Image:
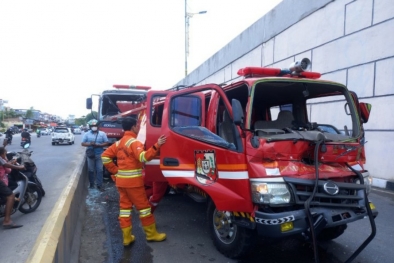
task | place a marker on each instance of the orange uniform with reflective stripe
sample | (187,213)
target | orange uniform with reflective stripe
(130,155)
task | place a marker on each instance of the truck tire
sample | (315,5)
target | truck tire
(331,233)
(231,240)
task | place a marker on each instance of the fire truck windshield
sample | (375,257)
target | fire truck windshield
(286,110)
(113,102)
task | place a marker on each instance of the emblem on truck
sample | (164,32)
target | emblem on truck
(206,170)
(331,188)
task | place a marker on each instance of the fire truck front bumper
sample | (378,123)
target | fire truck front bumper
(285,224)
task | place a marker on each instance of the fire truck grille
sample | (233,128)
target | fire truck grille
(329,193)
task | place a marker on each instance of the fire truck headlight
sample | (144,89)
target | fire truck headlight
(270,193)
(367,181)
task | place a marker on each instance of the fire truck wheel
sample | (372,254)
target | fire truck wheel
(331,233)
(231,240)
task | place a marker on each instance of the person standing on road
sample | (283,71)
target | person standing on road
(95,140)
(5,191)
(127,173)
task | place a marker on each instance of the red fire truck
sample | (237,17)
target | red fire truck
(277,154)
(113,102)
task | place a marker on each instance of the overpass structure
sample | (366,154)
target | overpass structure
(348,41)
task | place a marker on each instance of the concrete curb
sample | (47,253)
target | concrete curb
(383,184)
(55,240)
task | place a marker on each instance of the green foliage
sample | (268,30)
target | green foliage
(92,115)
(80,121)
(29,113)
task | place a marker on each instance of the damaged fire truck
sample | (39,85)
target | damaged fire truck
(115,101)
(276,154)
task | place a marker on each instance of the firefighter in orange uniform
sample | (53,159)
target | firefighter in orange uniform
(130,155)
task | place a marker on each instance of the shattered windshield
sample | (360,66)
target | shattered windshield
(115,102)
(302,110)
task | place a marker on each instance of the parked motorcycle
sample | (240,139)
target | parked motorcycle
(27,194)
(31,168)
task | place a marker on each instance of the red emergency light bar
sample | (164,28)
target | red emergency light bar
(131,87)
(297,69)
(267,72)
(273,72)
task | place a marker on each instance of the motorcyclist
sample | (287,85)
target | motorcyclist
(8,135)
(25,134)
(5,191)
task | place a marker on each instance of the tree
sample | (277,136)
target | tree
(29,113)
(80,121)
(90,116)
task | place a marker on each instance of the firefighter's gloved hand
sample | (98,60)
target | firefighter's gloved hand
(162,140)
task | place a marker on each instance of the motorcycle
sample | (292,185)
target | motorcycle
(8,137)
(27,194)
(25,141)
(31,168)
(38,134)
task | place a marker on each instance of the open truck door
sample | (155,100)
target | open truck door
(197,156)
(153,124)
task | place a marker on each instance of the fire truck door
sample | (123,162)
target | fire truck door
(194,155)
(153,130)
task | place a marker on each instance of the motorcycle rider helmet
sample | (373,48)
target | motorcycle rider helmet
(93,123)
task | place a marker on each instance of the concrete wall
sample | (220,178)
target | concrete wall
(59,238)
(351,42)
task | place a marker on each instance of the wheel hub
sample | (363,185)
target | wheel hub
(224,227)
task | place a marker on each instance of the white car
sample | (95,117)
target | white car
(77,131)
(44,132)
(62,135)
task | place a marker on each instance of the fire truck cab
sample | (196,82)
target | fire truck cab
(113,102)
(277,154)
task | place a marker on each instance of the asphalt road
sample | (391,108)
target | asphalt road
(183,220)
(185,223)
(55,165)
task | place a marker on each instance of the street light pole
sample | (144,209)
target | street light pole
(187,17)
(186,37)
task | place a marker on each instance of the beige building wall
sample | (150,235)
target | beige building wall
(351,42)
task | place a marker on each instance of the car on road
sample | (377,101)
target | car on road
(45,132)
(77,131)
(62,135)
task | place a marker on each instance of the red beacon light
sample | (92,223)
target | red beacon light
(131,87)
(300,69)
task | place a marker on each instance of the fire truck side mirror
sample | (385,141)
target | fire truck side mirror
(365,110)
(238,113)
(89,103)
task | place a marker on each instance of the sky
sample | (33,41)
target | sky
(54,54)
